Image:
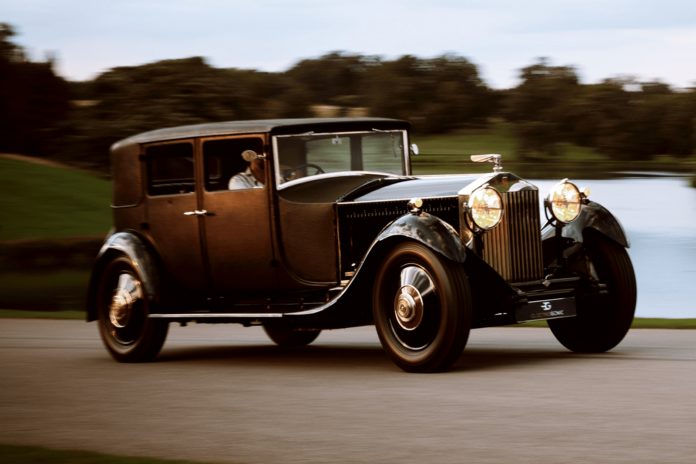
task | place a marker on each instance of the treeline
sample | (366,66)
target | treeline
(42,114)
(33,100)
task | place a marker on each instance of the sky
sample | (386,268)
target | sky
(645,39)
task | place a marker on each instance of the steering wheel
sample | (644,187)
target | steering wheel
(296,172)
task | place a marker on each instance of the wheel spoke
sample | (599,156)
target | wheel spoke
(415,313)
(126,296)
(416,277)
(409,303)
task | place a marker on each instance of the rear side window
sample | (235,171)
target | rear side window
(170,169)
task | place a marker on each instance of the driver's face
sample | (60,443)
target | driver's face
(257,169)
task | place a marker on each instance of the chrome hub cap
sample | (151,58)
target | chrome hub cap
(126,295)
(408,303)
(409,307)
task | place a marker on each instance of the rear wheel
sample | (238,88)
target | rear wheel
(422,308)
(289,336)
(122,312)
(602,320)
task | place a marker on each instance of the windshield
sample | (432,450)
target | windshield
(311,154)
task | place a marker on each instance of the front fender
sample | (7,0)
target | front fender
(351,308)
(135,248)
(429,230)
(597,217)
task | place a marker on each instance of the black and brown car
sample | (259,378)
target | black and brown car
(304,225)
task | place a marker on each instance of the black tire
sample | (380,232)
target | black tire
(421,306)
(122,310)
(290,337)
(602,321)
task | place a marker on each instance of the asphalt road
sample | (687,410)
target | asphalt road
(225,394)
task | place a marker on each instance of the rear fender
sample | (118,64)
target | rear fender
(130,245)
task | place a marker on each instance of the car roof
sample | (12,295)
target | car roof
(274,126)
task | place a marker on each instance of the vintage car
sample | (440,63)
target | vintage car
(303,225)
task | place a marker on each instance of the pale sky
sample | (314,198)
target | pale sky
(647,39)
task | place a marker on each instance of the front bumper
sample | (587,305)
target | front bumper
(551,298)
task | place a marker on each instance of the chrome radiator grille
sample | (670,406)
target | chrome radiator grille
(513,248)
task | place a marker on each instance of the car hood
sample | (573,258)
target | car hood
(423,187)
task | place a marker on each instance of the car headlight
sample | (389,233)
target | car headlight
(564,201)
(485,207)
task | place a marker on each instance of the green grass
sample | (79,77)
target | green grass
(59,290)
(654,323)
(449,153)
(33,314)
(640,323)
(496,138)
(39,455)
(38,201)
(452,151)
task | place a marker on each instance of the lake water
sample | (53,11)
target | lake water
(658,213)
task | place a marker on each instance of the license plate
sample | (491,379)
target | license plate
(546,309)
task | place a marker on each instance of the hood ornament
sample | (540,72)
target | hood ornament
(494,158)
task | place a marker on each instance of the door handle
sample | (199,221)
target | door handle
(198,212)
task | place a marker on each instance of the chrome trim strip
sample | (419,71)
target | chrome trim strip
(216,316)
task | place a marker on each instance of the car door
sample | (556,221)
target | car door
(172,212)
(237,227)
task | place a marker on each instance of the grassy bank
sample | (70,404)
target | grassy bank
(62,290)
(39,455)
(641,323)
(449,153)
(45,201)
(44,207)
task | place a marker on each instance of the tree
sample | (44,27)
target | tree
(437,95)
(542,106)
(32,99)
(630,120)
(678,124)
(129,100)
(332,79)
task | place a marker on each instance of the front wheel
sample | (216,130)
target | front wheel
(603,318)
(421,306)
(122,313)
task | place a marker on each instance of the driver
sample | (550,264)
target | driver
(253,176)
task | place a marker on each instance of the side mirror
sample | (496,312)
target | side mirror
(414,149)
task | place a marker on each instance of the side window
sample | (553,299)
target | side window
(169,168)
(223,160)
